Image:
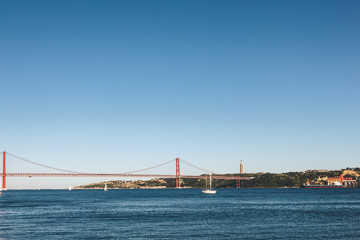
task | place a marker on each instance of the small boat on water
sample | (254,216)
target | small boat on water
(208,190)
(105,188)
(69,188)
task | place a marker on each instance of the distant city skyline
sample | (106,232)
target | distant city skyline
(119,85)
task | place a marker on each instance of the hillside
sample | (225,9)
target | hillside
(260,180)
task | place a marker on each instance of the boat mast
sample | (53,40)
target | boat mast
(210,180)
(206,182)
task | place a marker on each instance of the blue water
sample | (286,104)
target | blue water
(181,214)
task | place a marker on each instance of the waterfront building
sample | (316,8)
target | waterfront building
(350,182)
(346,182)
(332,180)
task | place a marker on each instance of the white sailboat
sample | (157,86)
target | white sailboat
(69,188)
(105,188)
(209,190)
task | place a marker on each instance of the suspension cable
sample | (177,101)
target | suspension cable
(39,164)
(140,170)
(194,166)
(159,165)
(69,171)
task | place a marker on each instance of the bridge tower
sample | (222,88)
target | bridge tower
(4,171)
(178,183)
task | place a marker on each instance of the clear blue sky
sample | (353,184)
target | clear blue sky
(121,85)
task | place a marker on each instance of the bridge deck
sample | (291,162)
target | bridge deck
(227,177)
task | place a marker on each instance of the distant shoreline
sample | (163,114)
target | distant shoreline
(101,189)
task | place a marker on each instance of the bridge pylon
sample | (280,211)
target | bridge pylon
(178,179)
(4,171)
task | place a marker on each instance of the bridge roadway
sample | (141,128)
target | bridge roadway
(226,177)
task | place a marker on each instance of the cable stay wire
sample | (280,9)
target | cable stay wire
(194,166)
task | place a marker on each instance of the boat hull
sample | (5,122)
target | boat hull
(207,191)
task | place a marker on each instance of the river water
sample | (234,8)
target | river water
(181,214)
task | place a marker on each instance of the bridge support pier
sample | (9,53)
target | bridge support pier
(178,179)
(238,183)
(4,172)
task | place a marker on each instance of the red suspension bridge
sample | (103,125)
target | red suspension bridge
(136,174)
